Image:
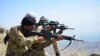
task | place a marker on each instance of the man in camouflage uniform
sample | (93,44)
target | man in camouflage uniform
(18,43)
(37,49)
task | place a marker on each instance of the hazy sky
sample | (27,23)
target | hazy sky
(83,15)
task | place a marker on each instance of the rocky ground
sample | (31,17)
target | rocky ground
(2,46)
(78,49)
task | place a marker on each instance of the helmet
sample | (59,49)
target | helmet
(29,19)
(43,21)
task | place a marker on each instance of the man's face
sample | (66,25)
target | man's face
(30,27)
(51,27)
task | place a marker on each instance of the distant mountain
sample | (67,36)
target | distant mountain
(79,49)
(88,47)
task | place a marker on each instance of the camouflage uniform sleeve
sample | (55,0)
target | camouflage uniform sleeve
(18,38)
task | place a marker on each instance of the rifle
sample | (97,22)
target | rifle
(46,34)
(71,38)
(61,27)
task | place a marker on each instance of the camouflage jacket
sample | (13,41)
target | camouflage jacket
(18,44)
(37,49)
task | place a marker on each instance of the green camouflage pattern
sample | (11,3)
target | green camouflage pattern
(18,44)
(37,49)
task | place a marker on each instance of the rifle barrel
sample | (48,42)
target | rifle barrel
(71,38)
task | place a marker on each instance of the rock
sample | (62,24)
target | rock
(94,55)
(2,45)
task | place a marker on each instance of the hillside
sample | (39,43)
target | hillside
(79,49)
